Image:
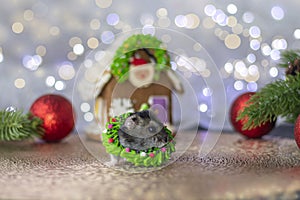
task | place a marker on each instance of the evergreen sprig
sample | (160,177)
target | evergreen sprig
(280,98)
(288,57)
(15,125)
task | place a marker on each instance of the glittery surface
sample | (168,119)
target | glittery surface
(235,168)
(297,131)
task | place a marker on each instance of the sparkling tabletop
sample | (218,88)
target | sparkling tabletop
(235,168)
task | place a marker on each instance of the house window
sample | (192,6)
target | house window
(120,106)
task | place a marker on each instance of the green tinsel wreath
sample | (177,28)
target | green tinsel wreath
(151,157)
(120,66)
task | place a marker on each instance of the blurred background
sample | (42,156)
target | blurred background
(43,43)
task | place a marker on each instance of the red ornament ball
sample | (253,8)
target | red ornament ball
(111,140)
(238,106)
(297,131)
(57,115)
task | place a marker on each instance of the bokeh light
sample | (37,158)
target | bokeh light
(248,17)
(78,49)
(85,107)
(147,19)
(193,21)
(246,41)
(252,86)
(266,49)
(32,62)
(75,40)
(232,41)
(112,19)
(238,85)
(210,10)
(20,83)
(148,29)
(180,21)
(277,13)
(28,15)
(231,21)
(279,44)
(50,81)
(254,31)
(103,3)
(60,85)
(17,27)
(232,9)
(228,68)
(66,71)
(107,37)
(88,117)
(273,72)
(93,43)
(275,54)
(95,24)
(297,33)
(41,50)
(251,58)
(237,29)
(162,12)
(1,57)
(255,44)
(54,31)
(203,107)
(207,92)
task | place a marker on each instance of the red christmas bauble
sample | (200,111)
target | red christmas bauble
(297,131)
(238,105)
(57,115)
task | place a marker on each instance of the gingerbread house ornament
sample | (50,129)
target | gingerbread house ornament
(139,74)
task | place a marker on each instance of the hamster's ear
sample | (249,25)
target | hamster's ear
(154,117)
(144,114)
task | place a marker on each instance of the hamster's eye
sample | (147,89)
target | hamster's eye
(129,124)
(152,129)
(134,119)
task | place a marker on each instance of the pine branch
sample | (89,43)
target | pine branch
(18,126)
(280,98)
(288,57)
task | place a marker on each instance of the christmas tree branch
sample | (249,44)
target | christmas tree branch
(280,98)
(288,57)
(17,126)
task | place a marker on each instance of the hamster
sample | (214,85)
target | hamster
(142,130)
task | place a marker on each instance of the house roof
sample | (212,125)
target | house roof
(107,76)
(150,49)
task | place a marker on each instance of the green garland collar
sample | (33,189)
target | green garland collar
(150,157)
